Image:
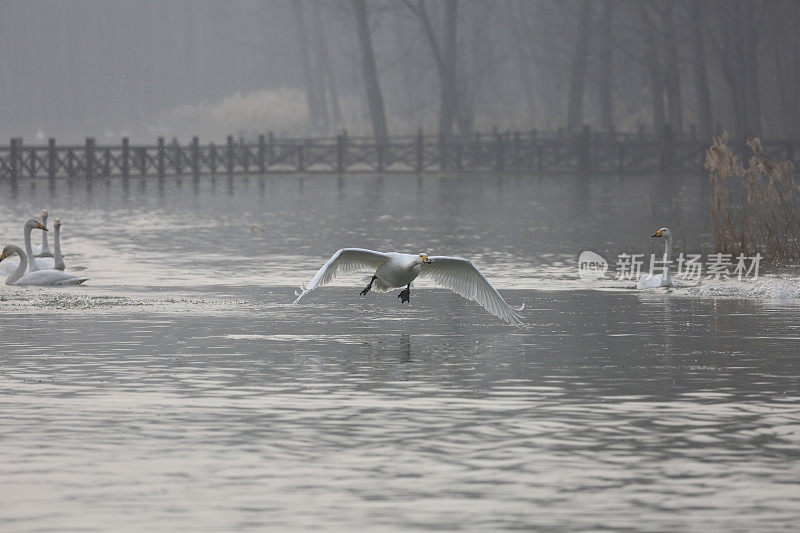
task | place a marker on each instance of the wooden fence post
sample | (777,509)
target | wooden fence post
(70,163)
(244,155)
(51,158)
(13,161)
(126,165)
(229,156)
(107,163)
(499,153)
(89,158)
(442,153)
(195,155)
(178,152)
(270,149)
(381,153)
(212,158)
(142,156)
(301,160)
(420,166)
(262,150)
(340,148)
(161,158)
(584,149)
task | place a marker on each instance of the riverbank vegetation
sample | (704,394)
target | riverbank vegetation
(755,204)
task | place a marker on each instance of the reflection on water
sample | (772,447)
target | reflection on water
(180,388)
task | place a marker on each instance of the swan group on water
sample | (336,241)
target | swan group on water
(37,266)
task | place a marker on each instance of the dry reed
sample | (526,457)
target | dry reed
(755,208)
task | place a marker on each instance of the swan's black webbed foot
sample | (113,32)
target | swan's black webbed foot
(368,287)
(405,296)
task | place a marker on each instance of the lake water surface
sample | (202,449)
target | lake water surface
(179,389)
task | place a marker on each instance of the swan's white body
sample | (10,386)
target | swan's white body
(654,281)
(40,277)
(44,249)
(395,270)
(39,263)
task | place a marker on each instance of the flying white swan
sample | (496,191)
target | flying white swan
(395,270)
(39,262)
(57,257)
(652,281)
(44,249)
(40,277)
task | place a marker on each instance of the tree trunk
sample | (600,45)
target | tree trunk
(749,57)
(447,86)
(523,62)
(326,77)
(702,93)
(606,66)
(672,79)
(654,72)
(577,74)
(370,73)
(311,93)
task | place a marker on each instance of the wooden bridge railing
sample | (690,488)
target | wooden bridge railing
(529,152)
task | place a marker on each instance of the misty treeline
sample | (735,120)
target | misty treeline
(108,68)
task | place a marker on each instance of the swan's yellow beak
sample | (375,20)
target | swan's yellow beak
(659,233)
(39,225)
(3,255)
(425,259)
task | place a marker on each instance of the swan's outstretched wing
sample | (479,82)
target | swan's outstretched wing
(462,277)
(345,261)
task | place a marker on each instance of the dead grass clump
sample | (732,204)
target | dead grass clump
(755,208)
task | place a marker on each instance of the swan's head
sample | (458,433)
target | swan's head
(57,223)
(424,257)
(44,215)
(34,224)
(663,232)
(6,253)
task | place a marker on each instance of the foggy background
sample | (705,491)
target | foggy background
(108,68)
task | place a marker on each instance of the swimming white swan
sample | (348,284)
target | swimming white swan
(39,262)
(57,257)
(44,250)
(652,281)
(40,277)
(395,270)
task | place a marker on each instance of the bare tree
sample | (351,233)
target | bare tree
(444,54)
(672,78)
(655,75)
(606,65)
(577,71)
(702,92)
(370,72)
(312,94)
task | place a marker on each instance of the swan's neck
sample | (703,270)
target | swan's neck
(57,249)
(29,248)
(23,265)
(45,246)
(667,251)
